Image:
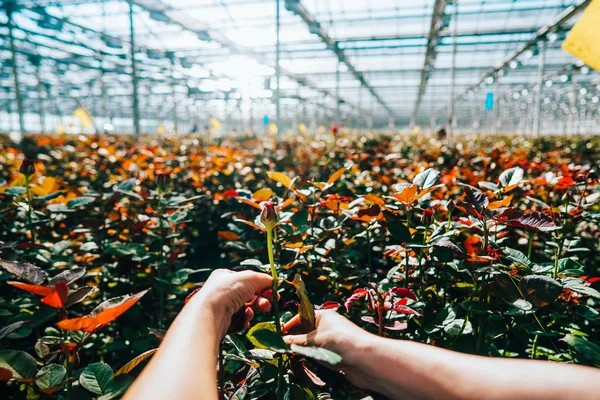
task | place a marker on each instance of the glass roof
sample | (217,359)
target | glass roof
(218,57)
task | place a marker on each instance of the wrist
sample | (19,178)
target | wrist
(210,312)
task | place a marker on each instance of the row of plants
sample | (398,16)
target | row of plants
(488,247)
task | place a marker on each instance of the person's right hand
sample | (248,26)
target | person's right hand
(336,333)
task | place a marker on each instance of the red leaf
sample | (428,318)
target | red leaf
(402,309)
(358,293)
(403,292)
(329,305)
(535,221)
(59,296)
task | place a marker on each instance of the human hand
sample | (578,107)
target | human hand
(336,333)
(236,295)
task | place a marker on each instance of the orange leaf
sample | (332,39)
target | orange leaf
(36,289)
(407,195)
(473,244)
(102,315)
(228,235)
(372,199)
(110,314)
(85,324)
(501,203)
(249,202)
(335,176)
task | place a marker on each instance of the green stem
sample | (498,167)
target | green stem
(486,239)
(369,255)
(29,208)
(275,310)
(68,367)
(530,246)
(534,349)
(161,291)
(557,257)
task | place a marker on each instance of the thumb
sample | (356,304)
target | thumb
(300,340)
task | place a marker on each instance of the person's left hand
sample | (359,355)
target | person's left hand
(238,294)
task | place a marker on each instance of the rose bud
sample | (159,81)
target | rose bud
(163,179)
(427,217)
(27,167)
(269,215)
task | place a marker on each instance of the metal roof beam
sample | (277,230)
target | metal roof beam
(315,28)
(180,18)
(438,23)
(541,34)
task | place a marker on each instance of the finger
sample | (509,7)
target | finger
(262,305)
(248,314)
(258,280)
(268,294)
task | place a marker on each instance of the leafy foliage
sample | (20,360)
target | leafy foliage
(417,240)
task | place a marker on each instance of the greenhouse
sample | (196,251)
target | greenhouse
(381,64)
(299,199)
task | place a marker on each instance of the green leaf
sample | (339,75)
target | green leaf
(15,191)
(118,387)
(517,257)
(123,250)
(49,196)
(80,201)
(540,290)
(458,327)
(427,178)
(21,364)
(299,219)
(268,340)
(317,353)
(586,348)
(397,229)
(511,176)
(577,285)
(97,378)
(50,376)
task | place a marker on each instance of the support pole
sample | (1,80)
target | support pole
(174,94)
(496,109)
(277,66)
(535,131)
(13,51)
(134,80)
(572,118)
(338,118)
(40,90)
(450,124)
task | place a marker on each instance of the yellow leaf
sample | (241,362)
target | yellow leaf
(293,245)
(263,194)
(583,41)
(336,175)
(306,311)
(281,178)
(125,369)
(261,325)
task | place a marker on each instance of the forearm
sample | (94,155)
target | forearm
(185,365)
(408,370)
